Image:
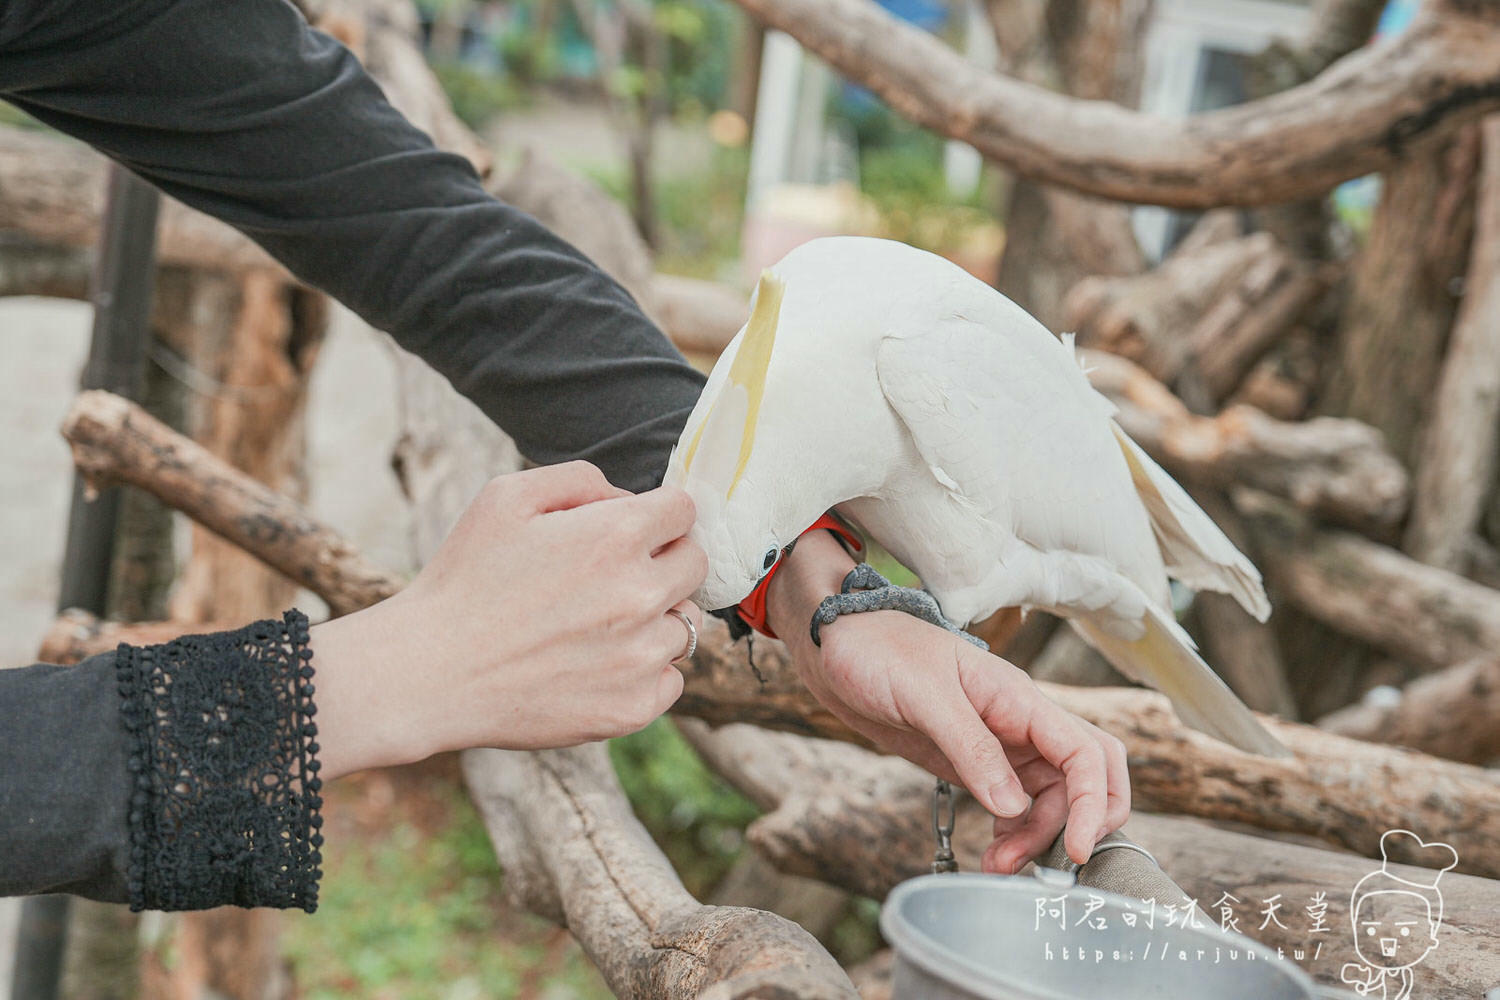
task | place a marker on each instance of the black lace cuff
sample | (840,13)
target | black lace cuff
(225,802)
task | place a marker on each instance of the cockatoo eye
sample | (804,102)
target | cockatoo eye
(772,554)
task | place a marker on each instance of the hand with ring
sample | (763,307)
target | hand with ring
(550,616)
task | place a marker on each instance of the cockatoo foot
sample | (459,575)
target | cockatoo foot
(866,590)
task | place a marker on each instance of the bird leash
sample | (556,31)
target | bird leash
(944,813)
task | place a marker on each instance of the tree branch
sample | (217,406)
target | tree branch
(115,441)
(1360,116)
(54,193)
(573,851)
(1419,614)
(1454,713)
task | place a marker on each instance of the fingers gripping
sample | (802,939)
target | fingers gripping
(978,756)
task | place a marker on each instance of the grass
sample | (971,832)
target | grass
(415,910)
(695,816)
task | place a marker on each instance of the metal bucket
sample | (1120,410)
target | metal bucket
(992,937)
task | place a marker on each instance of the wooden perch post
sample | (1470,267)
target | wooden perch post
(1358,117)
(863,822)
(573,851)
(1456,466)
(1454,713)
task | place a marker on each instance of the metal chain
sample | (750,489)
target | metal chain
(942,804)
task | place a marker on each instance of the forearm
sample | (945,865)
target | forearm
(64,786)
(177,776)
(242,111)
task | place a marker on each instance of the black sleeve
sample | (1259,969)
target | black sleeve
(241,110)
(173,777)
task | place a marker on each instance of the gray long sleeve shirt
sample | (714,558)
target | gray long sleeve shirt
(239,109)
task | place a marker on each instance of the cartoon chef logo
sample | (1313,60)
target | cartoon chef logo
(1396,912)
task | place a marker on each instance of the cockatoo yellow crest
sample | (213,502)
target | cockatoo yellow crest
(747,372)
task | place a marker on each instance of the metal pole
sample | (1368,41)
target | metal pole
(121,293)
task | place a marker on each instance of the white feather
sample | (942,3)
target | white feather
(1195,550)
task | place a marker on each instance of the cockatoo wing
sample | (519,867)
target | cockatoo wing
(1165,657)
(1009,425)
(1004,417)
(1195,550)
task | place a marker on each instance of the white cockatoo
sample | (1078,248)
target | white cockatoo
(965,438)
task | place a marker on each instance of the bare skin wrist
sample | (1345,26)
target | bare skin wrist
(815,568)
(357,663)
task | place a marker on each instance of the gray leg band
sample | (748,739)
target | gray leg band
(866,590)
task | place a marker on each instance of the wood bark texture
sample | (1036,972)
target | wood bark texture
(115,441)
(54,193)
(1419,614)
(1456,465)
(574,852)
(246,351)
(31,267)
(76,635)
(1454,713)
(1205,317)
(1403,296)
(1054,237)
(1243,651)
(1363,114)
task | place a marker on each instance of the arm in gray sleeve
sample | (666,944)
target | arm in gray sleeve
(244,112)
(180,776)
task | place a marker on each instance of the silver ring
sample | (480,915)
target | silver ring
(692,645)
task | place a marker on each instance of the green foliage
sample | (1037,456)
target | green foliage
(902,174)
(700,38)
(476,96)
(696,817)
(698,214)
(420,915)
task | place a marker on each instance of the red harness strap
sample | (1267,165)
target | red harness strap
(753,608)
